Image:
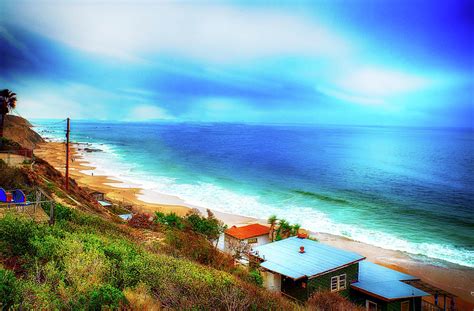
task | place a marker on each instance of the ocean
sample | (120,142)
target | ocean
(407,189)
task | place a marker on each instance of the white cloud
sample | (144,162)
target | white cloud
(148,112)
(351,98)
(217,33)
(378,82)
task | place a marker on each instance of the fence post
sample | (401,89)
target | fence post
(51,214)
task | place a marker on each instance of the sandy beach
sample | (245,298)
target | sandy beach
(455,279)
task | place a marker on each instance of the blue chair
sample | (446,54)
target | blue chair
(18,197)
(3,196)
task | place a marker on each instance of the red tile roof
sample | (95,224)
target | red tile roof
(249,231)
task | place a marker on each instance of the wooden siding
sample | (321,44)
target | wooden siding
(323,282)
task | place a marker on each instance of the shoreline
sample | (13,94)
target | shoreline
(453,278)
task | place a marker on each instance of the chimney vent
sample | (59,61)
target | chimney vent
(301,249)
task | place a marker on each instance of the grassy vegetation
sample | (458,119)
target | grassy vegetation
(86,262)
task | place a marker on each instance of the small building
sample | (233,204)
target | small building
(126,217)
(250,235)
(381,288)
(298,267)
(98,196)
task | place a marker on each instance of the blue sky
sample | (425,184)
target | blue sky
(407,63)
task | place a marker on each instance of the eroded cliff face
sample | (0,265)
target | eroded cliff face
(19,130)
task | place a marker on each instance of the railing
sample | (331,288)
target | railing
(38,200)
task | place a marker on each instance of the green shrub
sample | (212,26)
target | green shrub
(107,297)
(63,213)
(15,235)
(39,296)
(255,277)
(8,289)
(209,226)
(84,262)
(171,220)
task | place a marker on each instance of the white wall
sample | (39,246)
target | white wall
(271,281)
(261,240)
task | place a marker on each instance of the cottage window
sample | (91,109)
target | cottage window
(334,284)
(338,283)
(405,306)
(370,305)
(342,281)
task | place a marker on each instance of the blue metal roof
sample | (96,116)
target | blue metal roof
(283,257)
(385,282)
(104,203)
(126,216)
(369,271)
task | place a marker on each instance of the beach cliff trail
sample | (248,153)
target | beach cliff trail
(364,189)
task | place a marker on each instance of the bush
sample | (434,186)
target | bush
(256,278)
(8,289)
(328,301)
(62,213)
(170,220)
(139,298)
(77,264)
(16,235)
(195,247)
(107,297)
(14,178)
(140,220)
(209,226)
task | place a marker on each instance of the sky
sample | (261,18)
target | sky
(362,62)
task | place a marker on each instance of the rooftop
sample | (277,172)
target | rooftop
(104,203)
(284,257)
(249,231)
(385,283)
(125,216)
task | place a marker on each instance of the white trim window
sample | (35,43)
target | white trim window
(370,305)
(338,282)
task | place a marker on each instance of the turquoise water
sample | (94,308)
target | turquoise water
(408,189)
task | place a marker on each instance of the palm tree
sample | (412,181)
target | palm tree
(294,229)
(284,229)
(7,103)
(272,220)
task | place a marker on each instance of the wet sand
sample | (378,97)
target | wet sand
(455,279)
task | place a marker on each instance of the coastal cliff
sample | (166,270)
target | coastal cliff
(20,130)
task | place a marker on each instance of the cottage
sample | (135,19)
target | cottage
(126,217)
(238,238)
(100,198)
(298,267)
(381,288)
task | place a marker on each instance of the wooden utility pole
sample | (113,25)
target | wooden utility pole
(67,155)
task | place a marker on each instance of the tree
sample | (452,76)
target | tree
(238,249)
(7,103)
(209,226)
(272,220)
(284,229)
(295,229)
